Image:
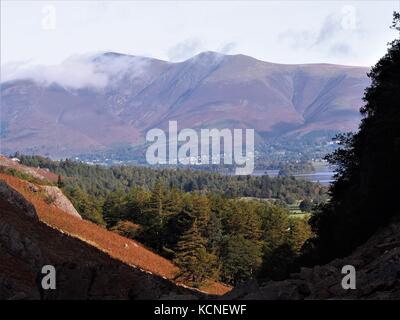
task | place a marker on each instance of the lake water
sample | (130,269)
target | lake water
(324,176)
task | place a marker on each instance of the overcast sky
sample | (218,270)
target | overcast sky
(344,32)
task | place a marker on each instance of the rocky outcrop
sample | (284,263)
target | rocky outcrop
(12,196)
(40,174)
(82,271)
(377,266)
(53,194)
(57,198)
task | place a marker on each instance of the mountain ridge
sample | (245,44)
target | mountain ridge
(216,53)
(128,95)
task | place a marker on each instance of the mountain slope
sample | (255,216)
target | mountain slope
(208,90)
(91,262)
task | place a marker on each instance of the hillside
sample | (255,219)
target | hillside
(87,257)
(36,173)
(377,265)
(49,116)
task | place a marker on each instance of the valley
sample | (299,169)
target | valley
(176,212)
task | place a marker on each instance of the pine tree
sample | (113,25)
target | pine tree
(173,203)
(275,228)
(153,218)
(114,207)
(215,229)
(60,183)
(173,223)
(305,205)
(88,206)
(299,233)
(242,218)
(214,233)
(137,201)
(201,212)
(241,259)
(195,262)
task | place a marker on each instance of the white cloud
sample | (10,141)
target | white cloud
(333,37)
(228,48)
(184,50)
(76,72)
(176,30)
(331,28)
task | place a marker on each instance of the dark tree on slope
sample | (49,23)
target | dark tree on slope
(114,207)
(88,206)
(365,193)
(241,258)
(60,183)
(195,262)
(306,205)
(153,217)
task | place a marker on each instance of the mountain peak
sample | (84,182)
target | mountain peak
(206,56)
(129,94)
(110,56)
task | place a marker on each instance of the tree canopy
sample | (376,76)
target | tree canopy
(364,195)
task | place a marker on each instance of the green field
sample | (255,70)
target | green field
(300,216)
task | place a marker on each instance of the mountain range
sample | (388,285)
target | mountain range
(112,99)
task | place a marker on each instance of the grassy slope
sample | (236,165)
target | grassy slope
(116,246)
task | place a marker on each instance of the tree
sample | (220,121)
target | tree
(88,206)
(299,233)
(60,183)
(242,218)
(153,218)
(214,233)
(240,245)
(364,194)
(127,229)
(241,259)
(174,221)
(276,252)
(114,207)
(278,263)
(305,205)
(275,226)
(173,203)
(201,212)
(192,258)
(136,203)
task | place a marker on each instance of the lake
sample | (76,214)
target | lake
(323,176)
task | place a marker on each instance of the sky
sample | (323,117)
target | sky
(340,32)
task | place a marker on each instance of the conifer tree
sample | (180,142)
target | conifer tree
(201,212)
(195,262)
(153,217)
(241,259)
(114,207)
(60,183)
(137,201)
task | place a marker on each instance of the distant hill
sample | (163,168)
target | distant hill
(124,96)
